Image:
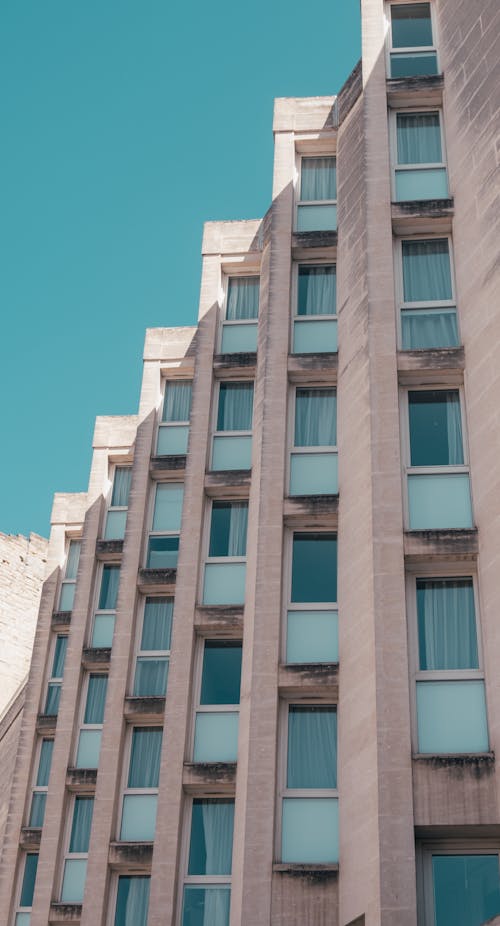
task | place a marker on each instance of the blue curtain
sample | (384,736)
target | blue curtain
(426,271)
(157,624)
(109,588)
(82,822)
(446,624)
(419,138)
(42,778)
(29,878)
(132,901)
(59,657)
(211,845)
(228,529)
(121,486)
(73,559)
(235,407)
(242,298)
(315,418)
(144,768)
(312,747)
(96,699)
(317,290)
(421,329)
(177,404)
(318,179)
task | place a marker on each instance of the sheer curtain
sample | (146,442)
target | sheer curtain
(59,657)
(218,820)
(157,624)
(96,699)
(109,588)
(177,404)
(426,271)
(419,138)
(144,769)
(446,624)
(312,747)
(132,901)
(318,179)
(42,778)
(237,539)
(73,558)
(235,407)
(150,677)
(315,418)
(121,486)
(422,329)
(242,298)
(317,291)
(82,821)
(454,429)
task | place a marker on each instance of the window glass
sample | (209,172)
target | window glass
(426,271)
(446,624)
(318,179)
(466,889)
(435,428)
(73,559)
(419,138)
(411,25)
(228,530)
(317,293)
(109,588)
(59,656)
(177,403)
(206,905)
(121,486)
(314,567)
(96,699)
(144,768)
(157,624)
(168,507)
(42,778)
(162,552)
(29,878)
(132,901)
(315,417)
(235,407)
(82,822)
(312,747)
(211,844)
(220,681)
(242,298)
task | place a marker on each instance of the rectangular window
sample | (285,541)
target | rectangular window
(141,793)
(67,594)
(217,712)
(89,741)
(428,311)
(116,516)
(450,693)
(225,569)
(39,794)
(173,432)
(461,884)
(312,616)
(151,667)
(104,618)
(232,442)
(317,207)
(313,459)
(163,544)
(420,164)
(23,914)
(132,900)
(438,478)
(310,804)
(207,885)
(75,864)
(239,329)
(413,50)
(315,319)
(56,675)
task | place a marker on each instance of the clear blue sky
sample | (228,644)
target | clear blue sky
(125,125)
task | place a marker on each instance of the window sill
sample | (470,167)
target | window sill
(313,239)
(416,367)
(425,545)
(30,837)
(61,619)
(127,856)
(96,656)
(65,912)
(169,463)
(157,579)
(228,483)
(243,363)
(222,620)
(46,723)
(109,550)
(315,510)
(303,369)
(210,778)
(422,215)
(424,90)
(315,872)
(81,779)
(317,678)
(460,759)
(139,707)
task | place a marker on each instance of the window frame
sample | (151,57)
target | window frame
(54,681)
(150,517)
(97,594)
(240,273)
(172,380)
(125,790)
(64,581)
(301,156)
(110,919)
(201,880)
(39,789)
(425,849)
(299,606)
(432,305)
(199,708)
(208,530)
(82,708)
(214,432)
(66,855)
(114,466)
(410,49)
(295,317)
(138,652)
(18,909)
(308,449)
(423,166)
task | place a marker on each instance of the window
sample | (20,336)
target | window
(217,712)
(413,50)
(232,443)
(163,544)
(75,863)
(39,794)
(225,569)
(117,512)
(317,207)
(173,431)
(104,618)
(151,667)
(67,595)
(132,901)
(313,460)
(428,312)
(460,883)
(207,886)
(89,741)
(309,830)
(141,793)
(25,903)
(450,694)
(438,478)
(56,676)
(312,617)
(315,319)
(239,329)
(420,164)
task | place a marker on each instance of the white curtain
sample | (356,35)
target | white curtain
(157,624)
(421,329)
(96,699)
(82,821)
(235,407)
(121,486)
(454,429)
(312,747)
(318,179)
(446,624)
(109,588)
(218,819)
(177,404)
(132,902)
(419,138)
(317,291)
(73,558)
(238,522)
(150,677)
(42,778)
(242,298)
(315,418)
(144,769)
(426,271)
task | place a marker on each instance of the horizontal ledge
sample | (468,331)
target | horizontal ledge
(96,656)
(431,366)
(61,618)
(228,483)
(222,620)
(167,464)
(240,366)
(143,708)
(304,511)
(65,912)
(311,679)
(131,857)
(313,368)
(424,90)
(453,543)
(157,579)
(46,723)
(30,837)
(446,759)
(207,778)
(314,239)
(81,779)
(317,872)
(109,550)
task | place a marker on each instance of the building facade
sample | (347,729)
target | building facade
(299,527)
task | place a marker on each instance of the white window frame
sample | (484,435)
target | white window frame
(240,274)
(200,708)
(429,304)
(66,832)
(208,528)
(144,654)
(54,680)
(82,708)
(292,406)
(206,881)
(215,412)
(425,849)
(18,909)
(110,507)
(151,512)
(410,49)
(287,579)
(393,143)
(97,594)
(166,381)
(303,156)
(38,789)
(436,571)
(125,790)
(64,580)
(295,294)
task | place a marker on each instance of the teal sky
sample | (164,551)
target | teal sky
(125,125)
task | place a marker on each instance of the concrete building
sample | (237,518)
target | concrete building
(205,550)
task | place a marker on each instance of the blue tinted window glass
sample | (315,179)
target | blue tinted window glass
(314,567)
(220,681)
(466,889)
